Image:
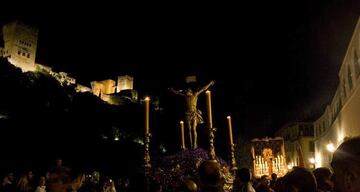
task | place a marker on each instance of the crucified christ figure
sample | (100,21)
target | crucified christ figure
(192,114)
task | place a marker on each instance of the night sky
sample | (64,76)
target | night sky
(273,62)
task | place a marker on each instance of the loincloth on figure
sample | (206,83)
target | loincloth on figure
(194,116)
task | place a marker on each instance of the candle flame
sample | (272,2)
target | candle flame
(207,92)
(147,98)
(181,122)
(228,117)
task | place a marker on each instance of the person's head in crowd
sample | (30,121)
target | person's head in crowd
(279,185)
(42,181)
(346,166)
(210,177)
(323,178)
(299,180)
(265,180)
(273,177)
(243,175)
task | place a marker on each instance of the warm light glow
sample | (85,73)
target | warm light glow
(116,138)
(147,98)
(228,117)
(266,162)
(312,160)
(340,137)
(330,147)
(290,166)
(318,159)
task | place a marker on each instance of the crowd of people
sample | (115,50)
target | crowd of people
(343,176)
(60,179)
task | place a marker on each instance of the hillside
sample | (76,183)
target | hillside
(41,120)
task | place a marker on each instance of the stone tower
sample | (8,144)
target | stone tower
(20,42)
(124,82)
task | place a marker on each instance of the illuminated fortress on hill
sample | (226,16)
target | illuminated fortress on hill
(19,47)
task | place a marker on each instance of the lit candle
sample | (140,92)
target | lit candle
(230,130)
(273,166)
(255,161)
(266,168)
(279,160)
(282,149)
(182,135)
(208,103)
(147,108)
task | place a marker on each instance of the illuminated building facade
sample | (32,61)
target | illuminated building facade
(20,43)
(341,117)
(104,87)
(268,156)
(299,144)
(114,93)
(124,82)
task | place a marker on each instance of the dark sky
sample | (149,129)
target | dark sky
(273,61)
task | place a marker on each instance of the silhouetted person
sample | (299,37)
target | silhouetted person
(192,114)
(8,183)
(323,179)
(210,177)
(59,177)
(299,180)
(108,185)
(273,180)
(346,166)
(242,181)
(279,185)
(25,182)
(41,185)
(264,184)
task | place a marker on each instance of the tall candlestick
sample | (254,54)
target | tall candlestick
(147,109)
(230,130)
(211,128)
(147,164)
(232,146)
(209,112)
(182,135)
